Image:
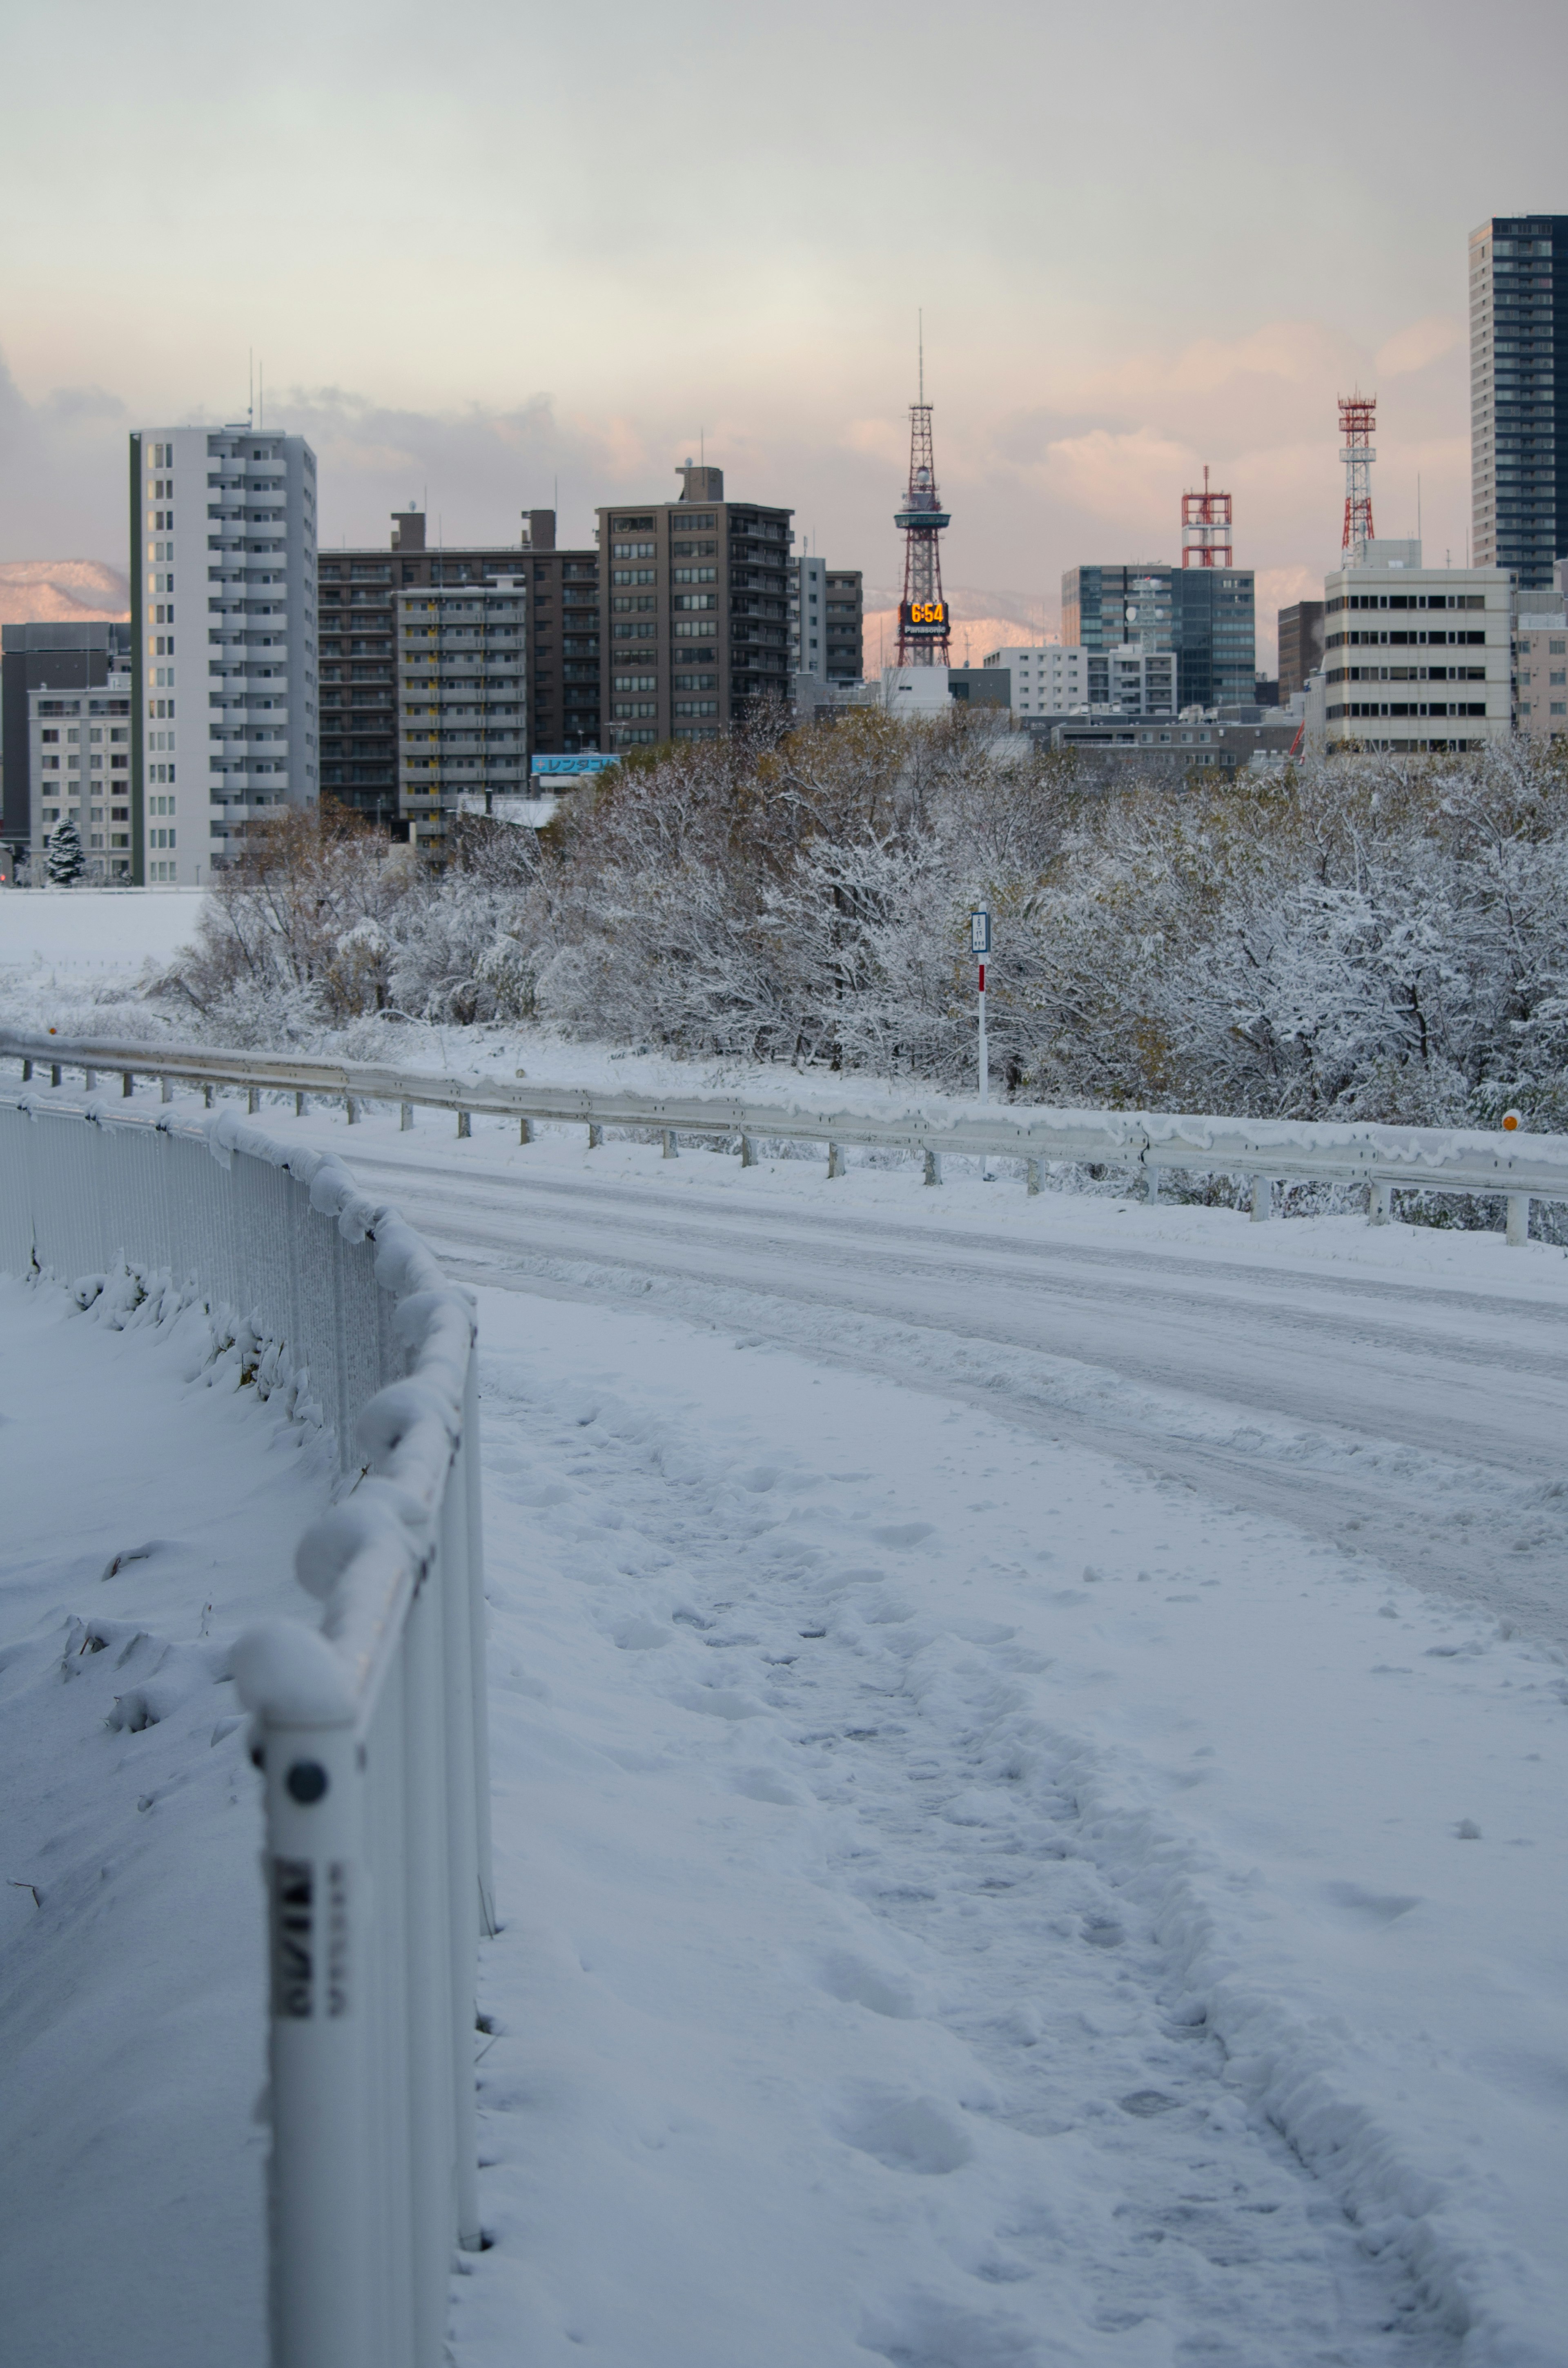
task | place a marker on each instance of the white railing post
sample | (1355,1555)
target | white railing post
(1519,1220)
(1379,1203)
(321,1935)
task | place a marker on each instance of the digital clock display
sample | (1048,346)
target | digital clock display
(924,616)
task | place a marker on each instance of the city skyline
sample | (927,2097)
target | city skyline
(1111,302)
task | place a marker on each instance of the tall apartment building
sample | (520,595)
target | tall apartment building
(808,601)
(1207,616)
(565,643)
(1518,395)
(695,612)
(1300,646)
(223,638)
(65,702)
(358,616)
(462,712)
(1067,679)
(1415,658)
(844,642)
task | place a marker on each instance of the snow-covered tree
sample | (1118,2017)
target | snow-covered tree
(65,862)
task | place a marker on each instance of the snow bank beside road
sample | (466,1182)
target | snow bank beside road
(149,1516)
(94,929)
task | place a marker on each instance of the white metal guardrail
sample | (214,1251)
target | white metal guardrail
(371,1727)
(1519,1167)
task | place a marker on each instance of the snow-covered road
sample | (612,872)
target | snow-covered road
(1419,1416)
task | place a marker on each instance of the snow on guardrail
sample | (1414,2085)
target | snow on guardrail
(1445,1159)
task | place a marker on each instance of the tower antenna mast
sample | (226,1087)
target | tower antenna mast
(1357,420)
(924,627)
(1206,528)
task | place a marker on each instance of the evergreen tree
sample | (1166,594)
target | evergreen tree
(66,861)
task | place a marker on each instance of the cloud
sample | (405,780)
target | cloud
(1426,341)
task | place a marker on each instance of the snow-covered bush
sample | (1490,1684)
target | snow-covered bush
(1376,938)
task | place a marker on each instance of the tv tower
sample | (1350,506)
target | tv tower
(1357,418)
(923,622)
(1206,528)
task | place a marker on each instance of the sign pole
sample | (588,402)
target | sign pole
(980,945)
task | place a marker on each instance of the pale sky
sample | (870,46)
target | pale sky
(480,247)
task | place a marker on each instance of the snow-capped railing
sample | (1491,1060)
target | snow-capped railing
(1519,1167)
(371,1727)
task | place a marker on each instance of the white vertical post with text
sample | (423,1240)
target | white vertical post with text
(980,946)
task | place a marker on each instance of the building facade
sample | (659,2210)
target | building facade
(223,643)
(845,617)
(694,613)
(462,706)
(1301,645)
(46,662)
(358,618)
(1518,395)
(1540,670)
(808,606)
(1205,615)
(79,760)
(1416,659)
(1064,679)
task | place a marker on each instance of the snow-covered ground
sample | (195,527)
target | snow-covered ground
(56,938)
(1028,1741)
(149,1512)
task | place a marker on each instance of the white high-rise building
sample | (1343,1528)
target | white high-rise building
(224,624)
(1416,659)
(808,616)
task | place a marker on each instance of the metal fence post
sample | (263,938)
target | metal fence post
(404,1117)
(671,1150)
(748,1151)
(525,1130)
(1519,1231)
(834,1161)
(1033,1177)
(1262,1199)
(933,1166)
(1379,1203)
(319,1913)
(464,1126)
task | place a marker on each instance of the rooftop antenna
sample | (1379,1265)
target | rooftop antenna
(1358,422)
(920,333)
(702,447)
(260,396)
(250,386)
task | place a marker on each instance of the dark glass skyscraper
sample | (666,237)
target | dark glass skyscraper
(1205,614)
(1519,393)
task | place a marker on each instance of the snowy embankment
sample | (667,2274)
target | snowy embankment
(967,1900)
(150,1508)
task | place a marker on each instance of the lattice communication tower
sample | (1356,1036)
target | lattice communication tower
(924,625)
(1206,528)
(1358,419)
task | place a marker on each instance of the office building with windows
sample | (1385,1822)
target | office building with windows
(1540,667)
(223,641)
(694,624)
(1066,678)
(808,604)
(1416,659)
(358,618)
(844,645)
(1518,395)
(1300,646)
(1205,615)
(65,701)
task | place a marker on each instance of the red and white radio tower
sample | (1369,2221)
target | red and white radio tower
(1206,528)
(924,629)
(1357,418)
